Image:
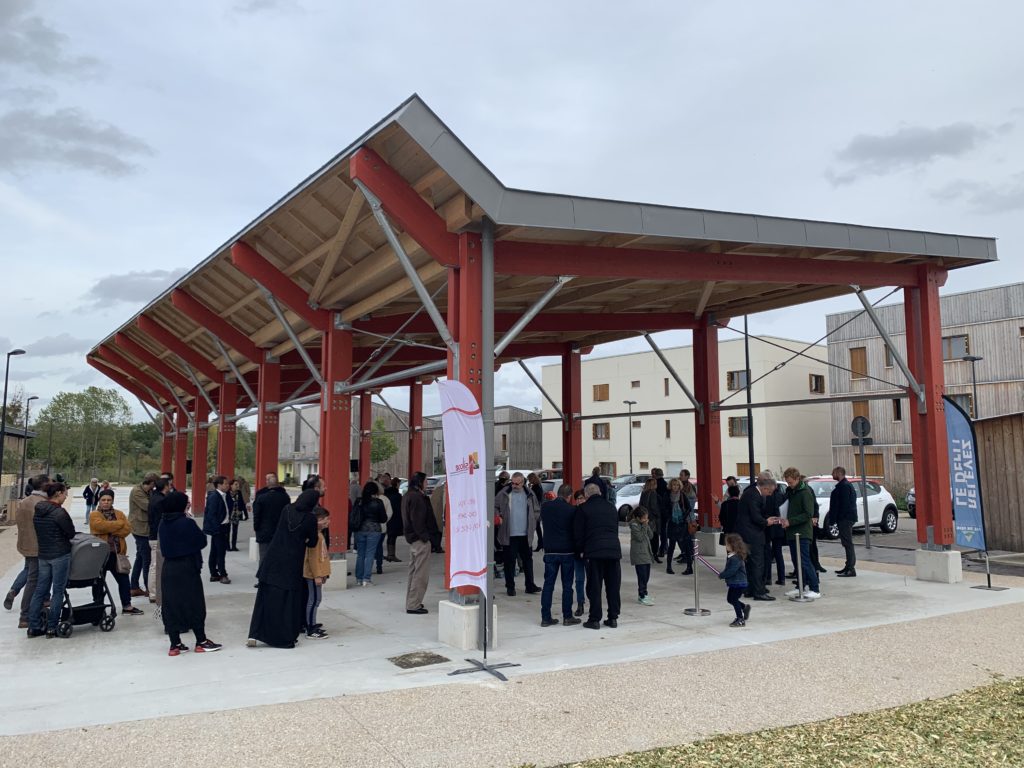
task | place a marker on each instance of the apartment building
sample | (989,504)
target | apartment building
(796,435)
(983,350)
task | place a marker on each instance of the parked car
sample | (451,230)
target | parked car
(628,499)
(622,480)
(549,474)
(912,503)
(432,482)
(882,511)
(550,488)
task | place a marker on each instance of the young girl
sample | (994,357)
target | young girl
(640,553)
(316,570)
(735,576)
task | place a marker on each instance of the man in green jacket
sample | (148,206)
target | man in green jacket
(798,521)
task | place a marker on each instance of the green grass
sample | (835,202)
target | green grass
(979,728)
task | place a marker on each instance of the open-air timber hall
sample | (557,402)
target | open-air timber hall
(404,259)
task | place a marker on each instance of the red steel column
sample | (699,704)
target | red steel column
(335,425)
(267,420)
(416,428)
(708,434)
(572,407)
(928,430)
(469,314)
(226,436)
(181,450)
(167,451)
(365,436)
(200,444)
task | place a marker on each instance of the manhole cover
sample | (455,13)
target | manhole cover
(418,659)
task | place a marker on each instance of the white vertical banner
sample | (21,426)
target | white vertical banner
(463,428)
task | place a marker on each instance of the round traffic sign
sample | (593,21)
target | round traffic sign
(860,426)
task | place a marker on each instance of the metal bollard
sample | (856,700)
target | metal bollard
(800,576)
(696,610)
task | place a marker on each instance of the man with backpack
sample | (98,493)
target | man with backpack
(415,511)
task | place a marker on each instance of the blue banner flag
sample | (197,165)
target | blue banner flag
(968,518)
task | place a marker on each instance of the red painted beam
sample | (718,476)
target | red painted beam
(517,258)
(402,203)
(116,359)
(202,315)
(141,353)
(123,381)
(165,338)
(246,258)
(550,322)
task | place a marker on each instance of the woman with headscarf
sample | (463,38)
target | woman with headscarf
(181,592)
(278,615)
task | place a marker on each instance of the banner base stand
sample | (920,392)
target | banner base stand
(696,611)
(483,666)
(990,589)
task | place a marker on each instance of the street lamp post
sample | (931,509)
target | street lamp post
(3,412)
(630,404)
(49,449)
(973,359)
(24,444)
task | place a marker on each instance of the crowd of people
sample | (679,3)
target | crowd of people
(577,531)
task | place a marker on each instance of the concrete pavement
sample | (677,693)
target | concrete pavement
(659,679)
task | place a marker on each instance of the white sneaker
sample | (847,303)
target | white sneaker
(812,594)
(793,593)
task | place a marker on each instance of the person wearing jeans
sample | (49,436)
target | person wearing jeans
(798,521)
(138,517)
(371,516)
(28,548)
(557,518)
(54,531)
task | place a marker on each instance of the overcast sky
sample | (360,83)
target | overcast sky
(135,138)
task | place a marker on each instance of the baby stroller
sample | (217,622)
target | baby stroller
(88,560)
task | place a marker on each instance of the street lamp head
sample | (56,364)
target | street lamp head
(972,358)
(16,352)
(629,402)
(30,399)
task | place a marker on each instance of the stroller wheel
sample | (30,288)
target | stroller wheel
(64,629)
(107,623)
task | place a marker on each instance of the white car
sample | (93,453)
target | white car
(628,498)
(882,511)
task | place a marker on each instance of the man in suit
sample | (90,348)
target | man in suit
(216,524)
(596,536)
(750,523)
(842,508)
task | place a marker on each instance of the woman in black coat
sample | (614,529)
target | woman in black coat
(278,614)
(182,603)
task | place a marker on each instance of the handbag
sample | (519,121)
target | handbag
(124,565)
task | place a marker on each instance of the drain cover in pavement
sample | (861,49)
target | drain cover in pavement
(418,659)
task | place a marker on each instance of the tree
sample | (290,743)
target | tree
(382,444)
(90,432)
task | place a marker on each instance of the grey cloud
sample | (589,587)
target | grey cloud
(28,42)
(23,95)
(28,374)
(909,147)
(988,197)
(83,377)
(258,6)
(67,138)
(62,344)
(131,287)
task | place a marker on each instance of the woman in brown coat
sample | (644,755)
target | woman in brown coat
(110,524)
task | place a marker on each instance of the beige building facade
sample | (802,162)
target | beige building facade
(795,435)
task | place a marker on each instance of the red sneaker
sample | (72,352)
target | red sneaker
(208,646)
